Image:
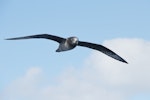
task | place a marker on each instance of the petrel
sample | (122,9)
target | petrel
(66,44)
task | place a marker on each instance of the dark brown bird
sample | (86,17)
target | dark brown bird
(71,42)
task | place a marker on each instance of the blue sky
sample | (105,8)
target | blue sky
(90,20)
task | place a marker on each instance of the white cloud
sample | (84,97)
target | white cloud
(101,77)
(136,52)
(133,77)
(24,86)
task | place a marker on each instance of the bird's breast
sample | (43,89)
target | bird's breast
(65,46)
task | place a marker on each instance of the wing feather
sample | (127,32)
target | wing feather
(102,49)
(45,36)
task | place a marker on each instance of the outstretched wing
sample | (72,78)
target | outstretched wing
(102,49)
(46,36)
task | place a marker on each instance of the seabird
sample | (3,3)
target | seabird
(66,44)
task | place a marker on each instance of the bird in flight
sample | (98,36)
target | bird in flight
(66,44)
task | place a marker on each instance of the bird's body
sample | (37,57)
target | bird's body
(66,44)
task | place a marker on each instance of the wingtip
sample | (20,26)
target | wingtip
(9,39)
(13,39)
(125,61)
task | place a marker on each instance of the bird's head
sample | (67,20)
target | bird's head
(73,40)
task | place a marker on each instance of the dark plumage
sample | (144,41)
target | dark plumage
(71,42)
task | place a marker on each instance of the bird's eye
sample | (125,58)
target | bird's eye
(72,39)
